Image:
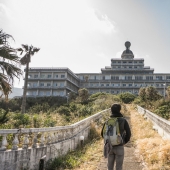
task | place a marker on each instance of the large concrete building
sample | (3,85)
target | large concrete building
(126,74)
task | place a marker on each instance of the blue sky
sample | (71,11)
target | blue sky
(84,35)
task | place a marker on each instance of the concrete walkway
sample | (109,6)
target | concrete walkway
(131,162)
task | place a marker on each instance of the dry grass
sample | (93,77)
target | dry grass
(92,156)
(154,150)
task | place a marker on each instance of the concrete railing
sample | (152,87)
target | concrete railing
(159,124)
(30,145)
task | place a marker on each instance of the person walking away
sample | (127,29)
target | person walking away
(114,149)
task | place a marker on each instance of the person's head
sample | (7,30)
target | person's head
(115,108)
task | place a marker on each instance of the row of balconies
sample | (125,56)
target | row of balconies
(94,86)
(118,80)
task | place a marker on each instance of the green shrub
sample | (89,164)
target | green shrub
(127,97)
(36,121)
(163,111)
(3,116)
(49,122)
(73,107)
(21,120)
(85,110)
(64,110)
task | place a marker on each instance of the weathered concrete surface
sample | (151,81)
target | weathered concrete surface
(159,124)
(58,141)
(131,162)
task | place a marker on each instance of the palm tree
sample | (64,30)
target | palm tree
(25,60)
(9,64)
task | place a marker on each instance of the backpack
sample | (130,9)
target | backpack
(112,132)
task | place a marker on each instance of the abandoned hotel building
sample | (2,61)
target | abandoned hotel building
(126,74)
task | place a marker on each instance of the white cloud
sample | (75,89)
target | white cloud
(4,11)
(118,54)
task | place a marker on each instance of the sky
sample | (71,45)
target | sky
(84,35)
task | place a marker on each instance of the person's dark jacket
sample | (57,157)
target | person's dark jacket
(123,127)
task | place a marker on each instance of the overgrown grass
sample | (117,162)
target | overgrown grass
(80,157)
(154,150)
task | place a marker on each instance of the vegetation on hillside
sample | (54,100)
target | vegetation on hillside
(150,99)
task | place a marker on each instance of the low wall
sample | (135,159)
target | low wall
(38,142)
(160,124)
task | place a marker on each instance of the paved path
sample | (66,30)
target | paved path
(131,162)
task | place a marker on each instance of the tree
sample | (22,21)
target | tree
(9,64)
(168,92)
(127,97)
(83,95)
(152,93)
(25,60)
(142,93)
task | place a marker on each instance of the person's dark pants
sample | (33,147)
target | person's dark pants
(116,156)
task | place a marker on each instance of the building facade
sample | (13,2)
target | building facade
(125,74)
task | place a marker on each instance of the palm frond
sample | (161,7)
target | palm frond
(25,47)
(10,70)
(5,86)
(4,37)
(9,54)
(36,49)
(25,59)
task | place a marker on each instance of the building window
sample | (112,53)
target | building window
(130,61)
(168,77)
(128,77)
(49,76)
(112,84)
(149,77)
(62,76)
(55,93)
(48,93)
(30,76)
(130,85)
(61,84)
(102,85)
(56,76)
(158,77)
(48,84)
(114,77)
(107,85)
(124,61)
(103,77)
(42,76)
(34,93)
(36,76)
(35,84)
(41,84)
(124,85)
(112,91)
(61,93)
(91,85)
(138,78)
(41,93)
